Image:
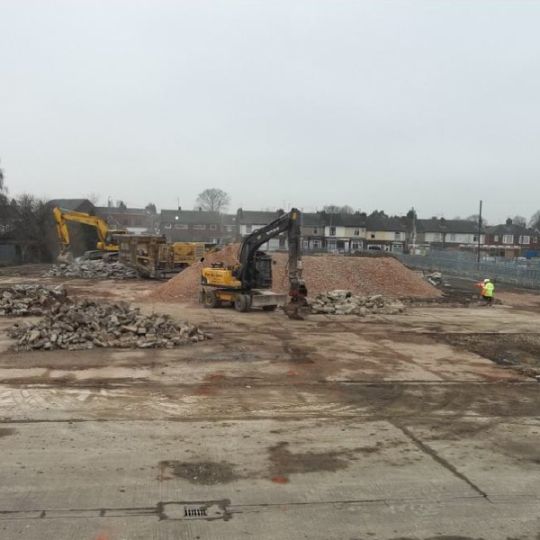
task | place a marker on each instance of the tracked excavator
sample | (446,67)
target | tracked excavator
(247,285)
(106,244)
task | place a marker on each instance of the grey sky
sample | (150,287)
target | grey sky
(376,104)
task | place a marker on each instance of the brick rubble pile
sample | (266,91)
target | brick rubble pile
(98,269)
(87,324)
(365,276)
(342,302)
(23,300)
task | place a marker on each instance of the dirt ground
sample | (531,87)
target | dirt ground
(423,425)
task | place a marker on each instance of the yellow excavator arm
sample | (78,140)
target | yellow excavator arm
(105,242)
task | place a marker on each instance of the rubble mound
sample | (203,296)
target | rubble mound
(87,324)
(364,276)
(186,284)
(98,269)
(23,300)
(342,302)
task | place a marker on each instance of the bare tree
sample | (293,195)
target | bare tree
(33,217)
(335,209)
(121,205)
(534,222)
(151,208)
(3,189)
(475,217)
(213,200)
(93,198)
(519,220)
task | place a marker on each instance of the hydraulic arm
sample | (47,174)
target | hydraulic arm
(105,240)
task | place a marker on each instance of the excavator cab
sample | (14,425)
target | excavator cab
(247,285)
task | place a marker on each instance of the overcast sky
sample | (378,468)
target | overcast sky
(375,104)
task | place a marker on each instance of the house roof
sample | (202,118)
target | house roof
(457,226)
(70,204)
(510,228)
(345,220)
(102,210)
(312,219)
(197,217)
(250,217)
(382,223)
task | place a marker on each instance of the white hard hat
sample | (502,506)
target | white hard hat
(486,280)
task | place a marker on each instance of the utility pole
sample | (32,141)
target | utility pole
(479,234)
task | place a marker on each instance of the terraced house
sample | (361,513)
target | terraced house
(345,233)
(444,233)
(211,228)
(511,240)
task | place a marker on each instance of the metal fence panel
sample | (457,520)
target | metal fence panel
(520,273)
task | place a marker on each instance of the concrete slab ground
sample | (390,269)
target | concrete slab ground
(330,428)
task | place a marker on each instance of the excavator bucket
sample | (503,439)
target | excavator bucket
(65,257)
(297,309)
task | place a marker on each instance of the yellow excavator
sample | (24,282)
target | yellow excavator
(106,243)
(247,285)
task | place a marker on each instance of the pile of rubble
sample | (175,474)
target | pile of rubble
(86,324)
(341,302)
(364,276)
(98,269)
(22,300)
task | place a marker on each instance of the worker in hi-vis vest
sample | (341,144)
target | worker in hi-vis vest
(487,292)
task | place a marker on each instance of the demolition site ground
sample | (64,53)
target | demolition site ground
(419,425)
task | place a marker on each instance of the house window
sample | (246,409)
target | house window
(496,238)
(315,230)
(316,244)
(248,229)
(525,240)
(332,231)
(452,238)
(355,245)
(475,238)
(397,236)
(356,232)
(508,239)
(229,228)
(213,227)
(168,226)
(305,244)
(199,227)
(182,226)
(372,235)
(331,245)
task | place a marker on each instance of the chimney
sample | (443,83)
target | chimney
(509,221)
(179,208)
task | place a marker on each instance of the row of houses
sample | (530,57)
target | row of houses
(343,233)
(321,231)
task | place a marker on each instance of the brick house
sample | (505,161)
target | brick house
(313,231)
(248,221)
(344,233)
(385,233)
(447,233)
(197,226)
(135,220)
(511,240)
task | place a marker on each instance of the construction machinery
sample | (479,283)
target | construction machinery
(247,284)
(106,243)
(152,257)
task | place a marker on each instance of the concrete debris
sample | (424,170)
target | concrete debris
(86,324)
(342,302)
(435,278)
(23,300)
(98,269)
